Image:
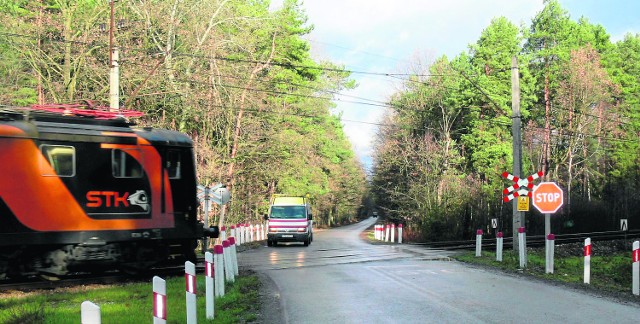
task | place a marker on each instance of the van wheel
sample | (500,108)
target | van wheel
(269,243)
(306,242)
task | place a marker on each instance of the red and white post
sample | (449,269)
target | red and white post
(208,273)
(251,231)
(393,233)
(399,233)
(240,230)
(218,270)
(550,244)
(223,233)
(159,301)
(479,243)
(522,236)
(90,313)
(232,231)
(226,254)
(376,232)
(635,257)
(234,255)
(499,245)
(587,260)
(190,281)
(386,236)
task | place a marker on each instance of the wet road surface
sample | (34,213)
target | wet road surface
(341,279)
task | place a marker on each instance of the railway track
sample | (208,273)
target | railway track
(535,240)
(35,283)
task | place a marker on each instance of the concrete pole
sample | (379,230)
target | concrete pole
(518,217)
(114,81)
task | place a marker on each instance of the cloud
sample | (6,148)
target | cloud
(384,36)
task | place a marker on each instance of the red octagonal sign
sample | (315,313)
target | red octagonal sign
(548,197)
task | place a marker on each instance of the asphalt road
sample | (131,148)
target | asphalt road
(341,279)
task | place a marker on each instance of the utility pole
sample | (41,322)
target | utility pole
(518,217)
(114,69)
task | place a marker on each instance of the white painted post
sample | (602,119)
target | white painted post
(190,280)
(240,231)
(499,245)
(159,301)
(223,233)
(587,260)
(234,255)
(232,231)
(251,233)
(376,229)
(400,233)
(208,272)
(393,233)
(386,236)
(90,313)
(636,268)
(522,236)
(228,269)
(218,269)
(551,243)
(479,243)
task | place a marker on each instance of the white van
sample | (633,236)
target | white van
(289,220)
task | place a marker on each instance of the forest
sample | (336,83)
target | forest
(438,163)
(240,79)
(235,76)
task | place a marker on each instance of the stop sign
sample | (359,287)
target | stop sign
(548,197)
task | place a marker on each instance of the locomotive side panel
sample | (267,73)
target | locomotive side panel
(91,193)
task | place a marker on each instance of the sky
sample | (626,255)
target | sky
(388,36)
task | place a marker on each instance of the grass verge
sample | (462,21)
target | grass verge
(609,274)
(133,303)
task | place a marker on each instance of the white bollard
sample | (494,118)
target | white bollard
(399,233)
(551,242)
(386,236)
(499,245)
(261,232)
(234,255)
(375,231)
(159,300)
(209,275)
(248,235)
(587,260)
(393,233)
(232,231)
(479,243)
(228,270)
(635,258)
(218,269)
(522,246)
(223,233)
(240,230)
(251,233)
(190,280)
(90,313)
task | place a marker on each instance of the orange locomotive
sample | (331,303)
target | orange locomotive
(83,189)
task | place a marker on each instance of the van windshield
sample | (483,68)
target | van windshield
(292,212)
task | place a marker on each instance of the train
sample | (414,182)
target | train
(85,189)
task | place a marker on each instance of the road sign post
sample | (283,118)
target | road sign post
(548,198)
